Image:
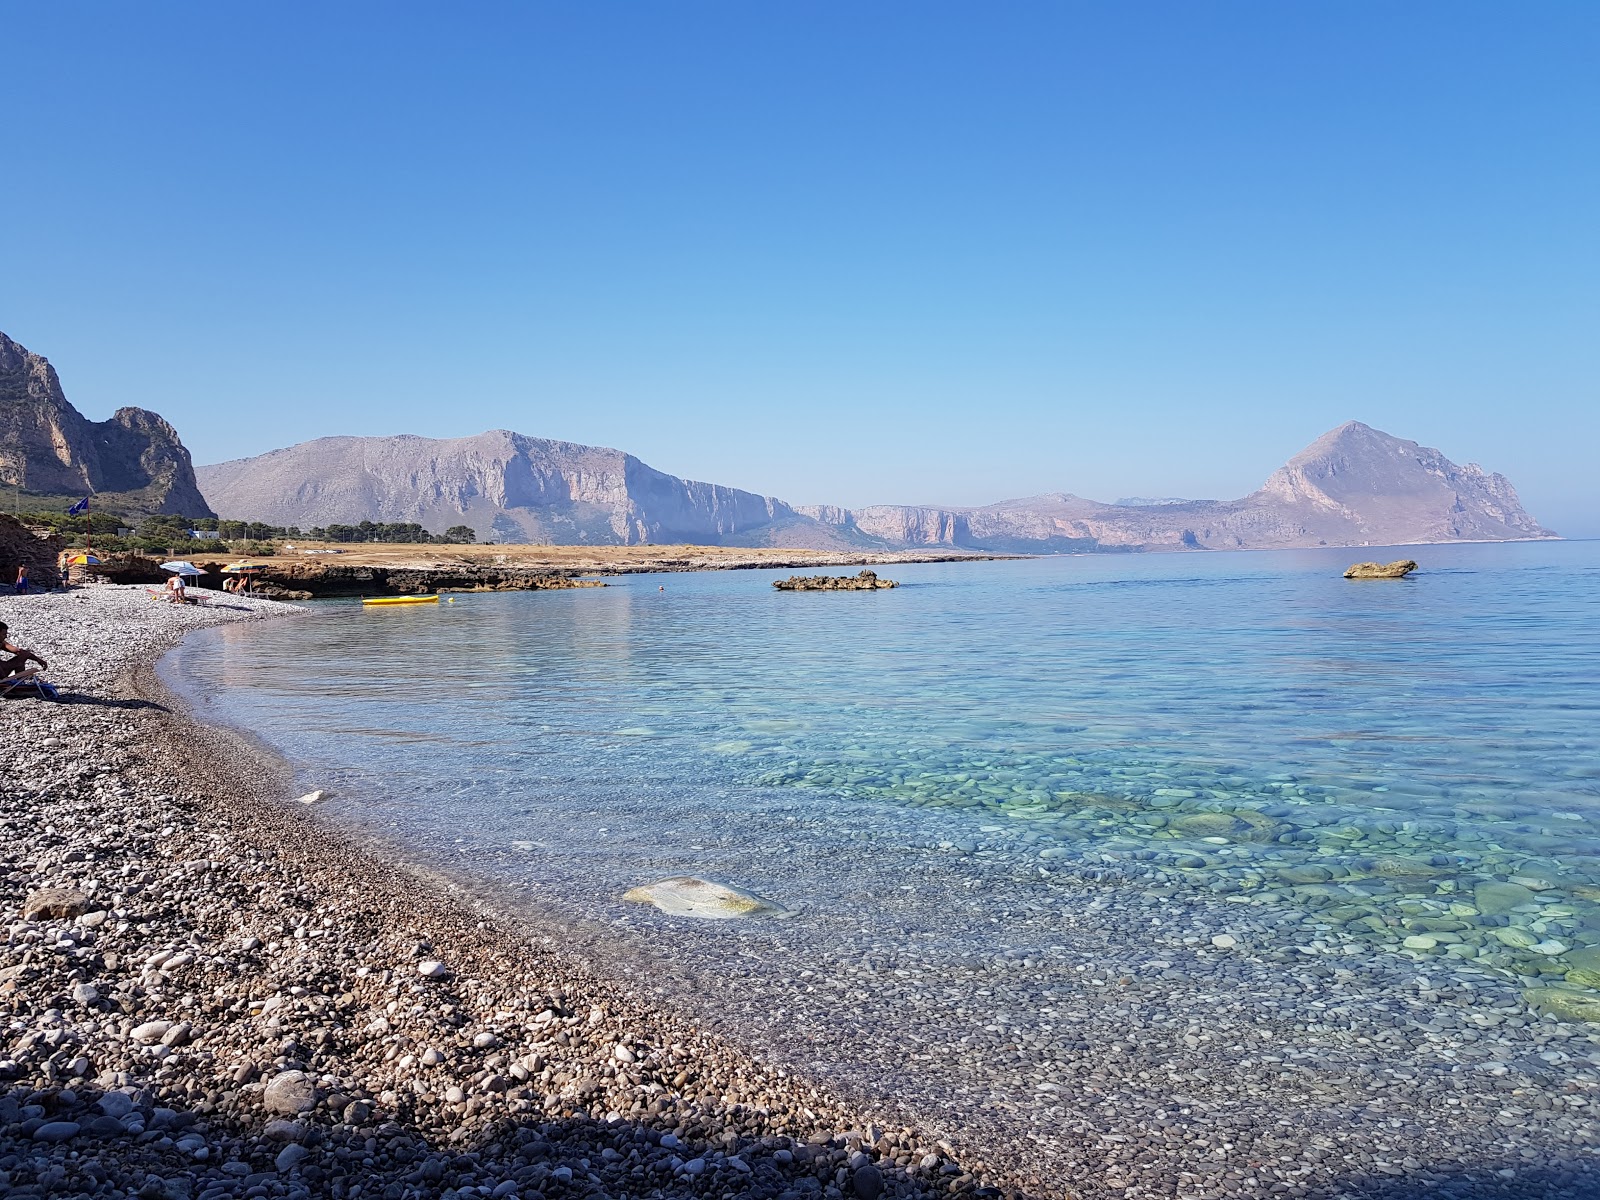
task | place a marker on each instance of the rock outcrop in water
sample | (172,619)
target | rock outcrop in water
(135,460)
(1398,569)
(866,581)
(1353,486)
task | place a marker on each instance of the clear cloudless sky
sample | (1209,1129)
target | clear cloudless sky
(835,252)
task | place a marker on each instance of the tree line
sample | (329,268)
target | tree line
(160,533)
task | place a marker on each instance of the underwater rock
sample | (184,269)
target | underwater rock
(1399,569)
(1585,959)
(1395,866)
(1207,824)
(691,896)
(1564,1005)
(1494,899)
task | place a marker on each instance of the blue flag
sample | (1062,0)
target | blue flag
(80,506)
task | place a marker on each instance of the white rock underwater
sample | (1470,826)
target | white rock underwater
(691,896)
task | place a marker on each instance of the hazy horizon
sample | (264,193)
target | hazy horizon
(916,255)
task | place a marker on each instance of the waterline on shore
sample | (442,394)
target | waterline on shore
(1036,972)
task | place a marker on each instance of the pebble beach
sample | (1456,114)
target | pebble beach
(233,996)
(209,993)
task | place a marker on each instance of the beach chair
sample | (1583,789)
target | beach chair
(27,684)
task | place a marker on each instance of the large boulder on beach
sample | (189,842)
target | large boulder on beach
(54,904)
(691,896)
(290,1093)
(1398,569)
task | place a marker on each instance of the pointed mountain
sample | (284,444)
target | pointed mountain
(1353,486)
(1359,483)
(135,460)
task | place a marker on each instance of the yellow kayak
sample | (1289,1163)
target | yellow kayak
(433,599)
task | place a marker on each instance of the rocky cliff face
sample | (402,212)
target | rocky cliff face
(49,449)
(20,547)
(506,486)
(1352,486)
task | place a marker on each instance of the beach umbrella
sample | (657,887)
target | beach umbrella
(243,568)
(84,560)
(179,567)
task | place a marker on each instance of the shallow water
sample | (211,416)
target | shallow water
(1413,766)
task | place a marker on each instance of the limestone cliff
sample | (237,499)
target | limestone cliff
(1352,486)
(508,487)
(134,460)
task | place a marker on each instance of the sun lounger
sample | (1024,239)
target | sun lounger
(16,687)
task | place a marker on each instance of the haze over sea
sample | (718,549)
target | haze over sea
(993,793)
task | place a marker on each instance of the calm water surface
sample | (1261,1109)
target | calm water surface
(1245,724)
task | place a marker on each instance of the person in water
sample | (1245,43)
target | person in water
(17,663)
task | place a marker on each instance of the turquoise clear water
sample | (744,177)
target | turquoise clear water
(1418,761)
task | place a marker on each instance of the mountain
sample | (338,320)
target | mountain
(506,486)
(1354,485)
(133,461)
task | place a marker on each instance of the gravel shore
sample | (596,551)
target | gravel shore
(208,993)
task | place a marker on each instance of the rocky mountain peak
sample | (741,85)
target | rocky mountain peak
(48,448)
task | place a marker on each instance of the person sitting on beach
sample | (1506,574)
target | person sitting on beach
(17,663)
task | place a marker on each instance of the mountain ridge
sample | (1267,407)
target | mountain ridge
(1353,485)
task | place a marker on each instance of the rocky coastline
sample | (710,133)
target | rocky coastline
(865,581)
(226,997)
(288,578)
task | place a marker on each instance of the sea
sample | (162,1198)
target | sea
(911,778)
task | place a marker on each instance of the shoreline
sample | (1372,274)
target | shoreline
(1384,1125)
(247,1003)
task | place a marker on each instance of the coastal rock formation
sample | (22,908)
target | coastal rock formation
(19,546)
(1353,486)
(507,487)
(134,460)
(294,580)
(1398,569)
(866,581)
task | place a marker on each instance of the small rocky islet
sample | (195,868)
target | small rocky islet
(1398,569)
(863,581)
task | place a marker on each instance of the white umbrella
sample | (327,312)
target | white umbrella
(178,567)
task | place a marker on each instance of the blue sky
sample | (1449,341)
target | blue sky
(854,253)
